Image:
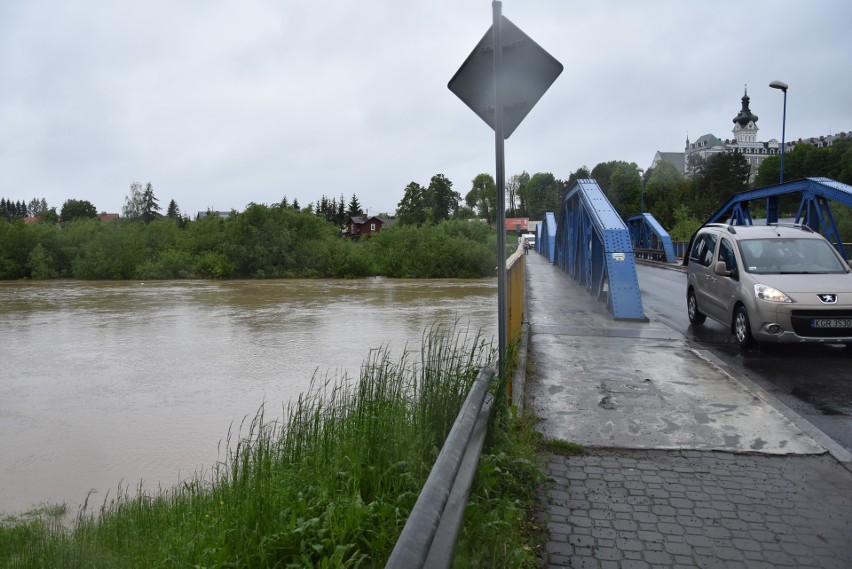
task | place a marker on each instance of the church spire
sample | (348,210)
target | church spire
(745,115)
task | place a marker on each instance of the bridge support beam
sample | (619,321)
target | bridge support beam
(593,246)
(650,240)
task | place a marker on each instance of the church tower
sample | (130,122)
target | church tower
(745,123)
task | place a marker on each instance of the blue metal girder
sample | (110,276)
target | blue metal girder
(546,239)
(648,235)
(593,246)
(814,210)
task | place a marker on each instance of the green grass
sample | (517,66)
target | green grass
(563,447)
(329,483)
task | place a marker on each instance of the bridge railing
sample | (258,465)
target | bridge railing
(430,533)
(515,271)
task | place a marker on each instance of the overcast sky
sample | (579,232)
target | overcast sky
(223,103)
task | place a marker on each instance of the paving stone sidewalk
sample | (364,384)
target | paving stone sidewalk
(626,509)
(685,466)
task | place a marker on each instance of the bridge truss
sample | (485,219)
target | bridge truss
(813,211)
(593,246)
(650,240)
(546,239)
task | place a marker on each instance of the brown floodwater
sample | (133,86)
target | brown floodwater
(105,383)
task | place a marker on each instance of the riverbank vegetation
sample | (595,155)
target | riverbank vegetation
(263,241)
(330,483)
(437,234)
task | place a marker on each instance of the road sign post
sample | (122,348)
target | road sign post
(501,80)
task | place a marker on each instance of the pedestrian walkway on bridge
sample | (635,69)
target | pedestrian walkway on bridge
(685,465)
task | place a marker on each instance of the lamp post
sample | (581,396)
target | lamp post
(642,195)
(783,87)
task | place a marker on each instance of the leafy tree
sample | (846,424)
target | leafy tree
(442,200)
(581,173)
(685,224)
(806,160)
(41,263)
(36,206)
(134,202)
(482,197)
(769,172)
(540,195)
(77,209)
(450,248)
(725,174)
(514,189)
(412,209)
(625,188)
(602,174)
(661,192)
(695,164)
(845,163)
(464,212)
(48,216)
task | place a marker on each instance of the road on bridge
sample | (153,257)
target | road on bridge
(815,381)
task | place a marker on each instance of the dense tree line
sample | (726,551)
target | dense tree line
(261,242)
(336,211)
(10,210)
(433,237)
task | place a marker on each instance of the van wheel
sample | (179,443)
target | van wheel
(742,327)
(695,315)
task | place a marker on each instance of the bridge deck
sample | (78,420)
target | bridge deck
(601,382)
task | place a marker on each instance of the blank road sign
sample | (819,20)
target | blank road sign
(528,71)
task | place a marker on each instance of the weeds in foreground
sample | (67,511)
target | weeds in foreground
(563,447)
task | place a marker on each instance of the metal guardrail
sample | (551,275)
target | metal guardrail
(429,536)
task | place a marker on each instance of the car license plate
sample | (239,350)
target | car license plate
(831,323)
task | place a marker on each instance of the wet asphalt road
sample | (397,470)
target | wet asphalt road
(815,381)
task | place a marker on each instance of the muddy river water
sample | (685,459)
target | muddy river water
(107,383)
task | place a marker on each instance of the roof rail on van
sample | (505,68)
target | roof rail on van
(801,226)
(727,226)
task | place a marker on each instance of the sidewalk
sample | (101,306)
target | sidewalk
(685,465)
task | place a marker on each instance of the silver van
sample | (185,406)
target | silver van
(769,283)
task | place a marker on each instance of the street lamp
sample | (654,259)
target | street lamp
(783,87)
(642,195)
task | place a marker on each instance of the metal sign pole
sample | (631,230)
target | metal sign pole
(499,142)
(533,70)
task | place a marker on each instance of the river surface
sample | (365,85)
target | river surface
(132,383)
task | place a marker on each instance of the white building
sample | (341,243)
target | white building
(745,142)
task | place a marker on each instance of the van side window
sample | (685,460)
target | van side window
(697,248)
(726,253)
(703,249)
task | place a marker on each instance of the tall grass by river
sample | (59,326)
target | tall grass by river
(328,484)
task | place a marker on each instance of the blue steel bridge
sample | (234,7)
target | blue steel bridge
(588,240)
